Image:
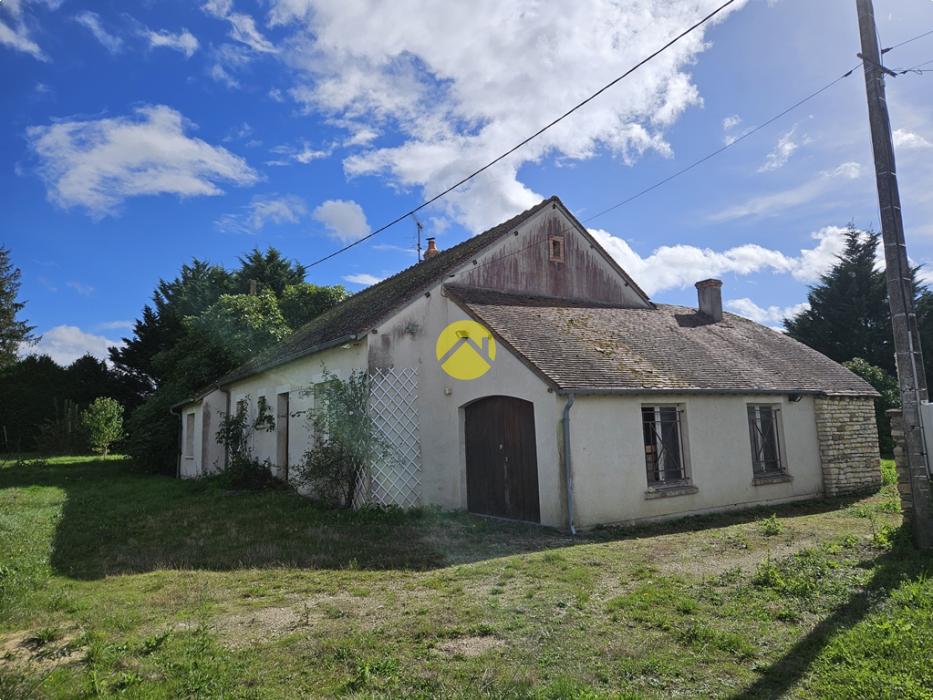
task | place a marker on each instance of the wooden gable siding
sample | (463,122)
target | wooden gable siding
(522,264)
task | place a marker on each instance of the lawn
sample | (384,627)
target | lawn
(114,583)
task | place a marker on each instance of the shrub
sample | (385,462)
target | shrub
(771,526)
(243,470)
(347,443)
(103,423)
(64,433)
(153,431)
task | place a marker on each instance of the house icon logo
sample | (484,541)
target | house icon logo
(465,350)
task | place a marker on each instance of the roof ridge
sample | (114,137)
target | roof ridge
(369,305)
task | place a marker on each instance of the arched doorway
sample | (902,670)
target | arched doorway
(501,458)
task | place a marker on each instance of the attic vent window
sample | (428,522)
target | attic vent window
(555,247)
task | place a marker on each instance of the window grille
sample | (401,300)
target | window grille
(664,446)
(765,438)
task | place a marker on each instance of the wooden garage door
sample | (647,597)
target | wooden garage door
(501,459)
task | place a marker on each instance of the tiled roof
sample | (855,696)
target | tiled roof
(578,346)
(363,310)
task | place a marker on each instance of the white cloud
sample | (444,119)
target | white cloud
(679,266)
(98,163)
(242,27)
(772,314)
(65,344)
(263,210)
(730,122)
(84,290)
(777,202)
(454,106)
(184,41)
(362,278)
(91,21)
(116,325)
(14,30)
(909,141)
(344,219)
(303,154)
(783,150)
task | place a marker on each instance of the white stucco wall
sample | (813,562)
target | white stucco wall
(609,468)
(407,340)
(296,378)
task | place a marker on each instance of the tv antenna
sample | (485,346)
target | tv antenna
(420,228)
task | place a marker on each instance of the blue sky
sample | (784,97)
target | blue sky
(138,135)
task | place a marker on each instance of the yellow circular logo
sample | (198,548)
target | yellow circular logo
(465,350)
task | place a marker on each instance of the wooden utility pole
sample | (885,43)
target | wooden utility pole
(910,373)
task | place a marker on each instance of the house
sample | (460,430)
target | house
(523,374)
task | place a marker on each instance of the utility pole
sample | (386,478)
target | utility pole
(910,374)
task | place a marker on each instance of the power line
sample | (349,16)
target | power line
(726,147)
(906,41)
(526,141)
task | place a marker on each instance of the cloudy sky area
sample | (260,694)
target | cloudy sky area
(140,135)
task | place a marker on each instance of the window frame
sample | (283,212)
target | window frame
(190,421)
(760,468)
(661,478)
(559,240)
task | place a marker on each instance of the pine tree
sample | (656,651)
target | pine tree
(13,332)
(848,315)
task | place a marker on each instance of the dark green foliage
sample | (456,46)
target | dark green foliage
(203,324)
(33,388)
(269,271)
(886,385)
(153,431)
(849,319)
(848,315)
(160,329)
(63,432)
(29,389)
(13,332)
(303,302)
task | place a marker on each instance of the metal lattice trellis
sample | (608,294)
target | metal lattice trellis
(394,406)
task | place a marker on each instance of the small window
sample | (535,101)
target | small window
(189,435)
(664,444)
(555,246)
(765,431)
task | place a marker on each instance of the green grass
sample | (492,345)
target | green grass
(118,584)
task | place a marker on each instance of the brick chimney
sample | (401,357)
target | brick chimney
(709,296)
(432,249)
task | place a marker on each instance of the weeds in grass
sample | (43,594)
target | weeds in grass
(805,575)
(43,636)
(702,636)
(771,526)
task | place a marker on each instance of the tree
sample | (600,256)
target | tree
(270,271)
(103,423)
(303,302)
(13,332)
(197,287)
(31,391)
(201,325)
(886,385)
(848,315)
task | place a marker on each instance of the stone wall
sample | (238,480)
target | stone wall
(848,438)
(900,460)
